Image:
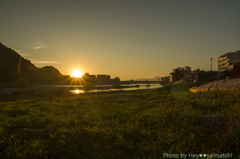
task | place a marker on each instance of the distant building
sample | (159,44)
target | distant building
(172,77)
(178,73)
(115,79)
(200,76)
(100,78)
(103,77)
(226,61)
(182,69)
(90,77)
(165,79)
(192,76)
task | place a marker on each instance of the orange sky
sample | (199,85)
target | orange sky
(137,39)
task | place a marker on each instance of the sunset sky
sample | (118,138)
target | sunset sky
(128,39)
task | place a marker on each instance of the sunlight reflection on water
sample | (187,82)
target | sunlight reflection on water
(77,91)
(142,86)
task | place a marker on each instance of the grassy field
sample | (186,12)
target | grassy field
(136,124)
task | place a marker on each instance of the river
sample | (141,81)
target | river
(79,88)
(76,89)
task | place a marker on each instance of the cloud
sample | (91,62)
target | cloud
(22,53)
(39,45)
(25,54)
(18,51)
(44,62)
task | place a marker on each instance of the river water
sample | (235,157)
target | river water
(141,86)
(76,89)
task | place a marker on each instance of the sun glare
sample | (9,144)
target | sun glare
(77,73)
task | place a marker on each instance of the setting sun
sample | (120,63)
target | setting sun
(77,73)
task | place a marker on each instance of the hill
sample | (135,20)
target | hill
(13,65)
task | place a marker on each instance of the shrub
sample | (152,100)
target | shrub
(22,83)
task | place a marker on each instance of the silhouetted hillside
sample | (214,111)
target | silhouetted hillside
(13,65)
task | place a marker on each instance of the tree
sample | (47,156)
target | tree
(236,69)
(227,73)
(88,85)
(22,83)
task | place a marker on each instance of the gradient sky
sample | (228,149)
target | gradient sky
(128,39)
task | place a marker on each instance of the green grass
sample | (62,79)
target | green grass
(137,124)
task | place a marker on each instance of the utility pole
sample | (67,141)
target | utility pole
(211,67)
(211,64)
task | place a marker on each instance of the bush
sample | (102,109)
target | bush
(236,69)
(22,83)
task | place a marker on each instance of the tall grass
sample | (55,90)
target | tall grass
(137,124)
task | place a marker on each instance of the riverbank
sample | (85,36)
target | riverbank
(134,124)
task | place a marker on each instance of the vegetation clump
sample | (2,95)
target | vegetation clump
(22,83)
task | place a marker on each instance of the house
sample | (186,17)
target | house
(226,61)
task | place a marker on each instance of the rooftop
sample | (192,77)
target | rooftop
(237,51)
